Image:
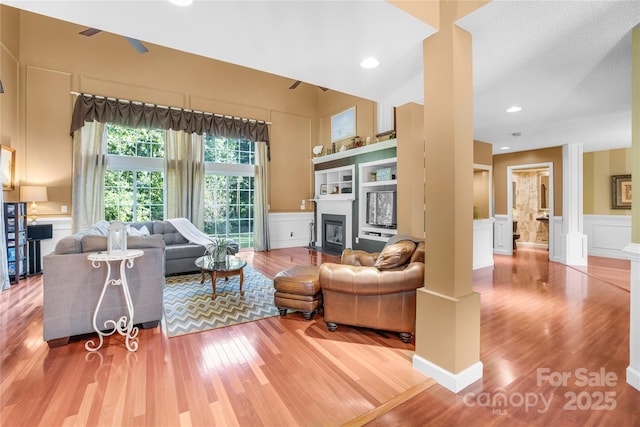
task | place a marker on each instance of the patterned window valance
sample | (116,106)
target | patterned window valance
(89,108)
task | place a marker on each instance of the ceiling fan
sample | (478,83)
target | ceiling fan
(297,83)
(137,44)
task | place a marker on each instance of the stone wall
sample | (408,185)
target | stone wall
(527,207)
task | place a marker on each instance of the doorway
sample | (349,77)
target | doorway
(530,202)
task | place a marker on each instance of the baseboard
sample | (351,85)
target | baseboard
(633,378)
(534,245)
(450,381)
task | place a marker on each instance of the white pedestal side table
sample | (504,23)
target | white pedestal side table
(124,325)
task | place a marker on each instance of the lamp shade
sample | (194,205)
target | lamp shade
(33,193)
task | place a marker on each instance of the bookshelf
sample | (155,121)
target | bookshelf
(15,226)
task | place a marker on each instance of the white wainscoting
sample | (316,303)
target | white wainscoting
(607,235)
(502,235)
(60,227)
(483,243)
(557,240)
(289,229)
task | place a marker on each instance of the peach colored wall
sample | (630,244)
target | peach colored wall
(9,73)
(481,191)
(331,103)
(54,59)
(482,153)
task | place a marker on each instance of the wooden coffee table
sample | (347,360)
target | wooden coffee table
(232,266)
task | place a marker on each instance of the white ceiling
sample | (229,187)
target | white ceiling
(567,63)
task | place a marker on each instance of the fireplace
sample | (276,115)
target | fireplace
(339,210)
(333,233)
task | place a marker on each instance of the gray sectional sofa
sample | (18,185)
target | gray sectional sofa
(180,255)
(72,286)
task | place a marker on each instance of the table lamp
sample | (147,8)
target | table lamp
(33,194)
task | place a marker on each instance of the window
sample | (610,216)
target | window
(134,179)
(228,151)
(228,203)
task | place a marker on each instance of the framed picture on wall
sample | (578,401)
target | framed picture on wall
(7,167)
(343,125)
(620,191)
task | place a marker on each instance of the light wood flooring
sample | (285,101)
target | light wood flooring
(285,371)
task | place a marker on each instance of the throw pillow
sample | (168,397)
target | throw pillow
(418,254)
(102,227)
(142,231)
(395,255)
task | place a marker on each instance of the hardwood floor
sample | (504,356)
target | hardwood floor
(285,371)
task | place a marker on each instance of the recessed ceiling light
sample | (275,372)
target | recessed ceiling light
(369,63)
(514,109)
(181,2)
(504,148)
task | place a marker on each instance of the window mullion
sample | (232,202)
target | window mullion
(134,207)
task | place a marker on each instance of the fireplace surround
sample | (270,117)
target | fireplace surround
(334,207)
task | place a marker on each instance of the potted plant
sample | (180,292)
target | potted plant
(218,249)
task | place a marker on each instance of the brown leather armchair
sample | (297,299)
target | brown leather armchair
(375,290)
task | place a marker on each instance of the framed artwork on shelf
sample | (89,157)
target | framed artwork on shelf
(7,164)
(323,189)
(343,125)
(383,174)
(620,191)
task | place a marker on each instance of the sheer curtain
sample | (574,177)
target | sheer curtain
(89,164)
(261,190)
(184,176)
(4,265)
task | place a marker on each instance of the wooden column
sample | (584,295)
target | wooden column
(448,311)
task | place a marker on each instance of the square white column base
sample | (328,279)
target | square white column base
(576,246)
(633,378)
(632,250)
(450,381)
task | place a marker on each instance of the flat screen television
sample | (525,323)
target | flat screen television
(381,208)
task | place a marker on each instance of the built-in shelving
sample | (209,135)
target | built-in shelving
(378,179)
(335,183)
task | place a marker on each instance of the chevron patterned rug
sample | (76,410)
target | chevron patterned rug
(188,307)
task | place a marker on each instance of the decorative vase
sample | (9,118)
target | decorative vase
(220,254)
(217,250)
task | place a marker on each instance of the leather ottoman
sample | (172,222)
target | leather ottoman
(298,288)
